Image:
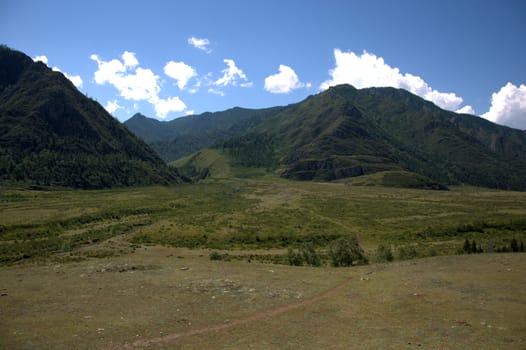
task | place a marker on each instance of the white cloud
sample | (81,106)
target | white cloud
(201,44)
(508,106)
(231,75)
(129,59)
(165,106)
(466,110)
(216,92)
(283,82)
(112,106)
(75,79)
(40,59)
(179,71)
(368,70)
(135,83)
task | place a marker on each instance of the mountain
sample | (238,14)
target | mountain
(51,134)
(183,136)
(345,132)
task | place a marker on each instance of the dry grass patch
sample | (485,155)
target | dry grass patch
(173,298)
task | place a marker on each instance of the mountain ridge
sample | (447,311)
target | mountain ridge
(182,136)
(347,132)
(51,134)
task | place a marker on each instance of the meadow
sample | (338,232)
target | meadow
(133,268)
(266,215)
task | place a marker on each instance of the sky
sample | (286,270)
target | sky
(167,59)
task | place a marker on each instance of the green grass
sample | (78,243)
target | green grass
(112,269)
(255,214)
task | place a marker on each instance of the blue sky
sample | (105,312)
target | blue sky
(166,59)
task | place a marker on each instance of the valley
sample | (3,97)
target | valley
(133,268)
(356,218)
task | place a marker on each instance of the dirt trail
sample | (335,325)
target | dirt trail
(259,316)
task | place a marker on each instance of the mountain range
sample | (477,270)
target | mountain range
(345,132)
(52,134)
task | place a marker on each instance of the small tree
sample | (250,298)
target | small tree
(474,247)
(295,258)
(310,255)
(514,245)
(467,247)
(384,254)
(346,250)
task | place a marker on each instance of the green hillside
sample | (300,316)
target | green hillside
(345,132)
(183,136)
(51,134)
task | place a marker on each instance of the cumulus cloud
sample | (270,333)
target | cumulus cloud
(283,82)
(179,71)
(112,106)
(75,79)
(231,75)
(165,106)
(132,83)
(508,106)
(201,44)
(40,59)
(368,70)
(135,83)
(129,59)
(466,110)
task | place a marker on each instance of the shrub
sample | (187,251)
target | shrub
(310,255)
(294,258)
(407,252)
(467,247)
(306,255)
(384,254)
(473,248)
(346,250)
(514,245)
(215,256)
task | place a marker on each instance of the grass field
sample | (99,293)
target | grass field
(170,298)
(131,268)
(253,214)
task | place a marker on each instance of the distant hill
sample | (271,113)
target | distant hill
(183,136)
(344,132)
(51,134)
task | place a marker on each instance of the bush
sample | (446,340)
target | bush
(384,254)
(346,250)
(294,258)
(218,256)
(407,252)
(306,255)
(310,255)
(471,248)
